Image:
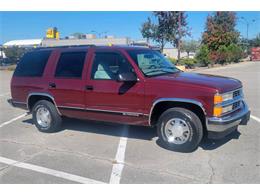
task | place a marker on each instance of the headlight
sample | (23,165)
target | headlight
(219,110)
(218,100)
(227,108)
(227,96)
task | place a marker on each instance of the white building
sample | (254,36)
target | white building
(173,53)
(23,43)
(88,41)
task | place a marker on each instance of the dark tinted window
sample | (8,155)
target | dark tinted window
(70,65)
(109,65)
(32,64)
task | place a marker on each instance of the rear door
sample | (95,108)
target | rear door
(68,81)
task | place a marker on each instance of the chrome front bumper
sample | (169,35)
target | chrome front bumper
(220,127)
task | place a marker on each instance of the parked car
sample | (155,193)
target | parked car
(5,62)
(128,85)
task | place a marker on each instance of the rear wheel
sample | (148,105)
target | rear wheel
(46,117)
(180,130)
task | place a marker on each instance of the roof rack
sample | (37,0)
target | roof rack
(65,46)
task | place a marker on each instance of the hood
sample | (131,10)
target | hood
(220,83)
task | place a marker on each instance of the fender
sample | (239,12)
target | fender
(184,100)
(42,94)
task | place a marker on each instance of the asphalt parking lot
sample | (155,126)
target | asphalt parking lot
(95,152)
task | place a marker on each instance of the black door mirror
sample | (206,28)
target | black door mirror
(127,77)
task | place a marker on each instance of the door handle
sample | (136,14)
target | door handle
(52,85)
(89,87)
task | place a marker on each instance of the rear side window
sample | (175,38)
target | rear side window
(70,65)
(32,64)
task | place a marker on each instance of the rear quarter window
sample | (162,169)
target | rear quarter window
(32,64)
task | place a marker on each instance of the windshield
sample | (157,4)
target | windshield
(152,63)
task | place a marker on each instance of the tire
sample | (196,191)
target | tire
(54,119)
(179,130)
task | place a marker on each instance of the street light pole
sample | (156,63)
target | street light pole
(247,25)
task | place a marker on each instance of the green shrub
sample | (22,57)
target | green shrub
(223,54)
(203,55)
(235,53)
(190,62)
(227,54)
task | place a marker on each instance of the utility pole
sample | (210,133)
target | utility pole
(247,25)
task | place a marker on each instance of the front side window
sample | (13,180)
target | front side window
(32,64)
(70,65)
(108,65)
(152,63)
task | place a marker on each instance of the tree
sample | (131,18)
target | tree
(189,46)
(155,32)
(14,53)
(170,26)
(220,30)
(219,34)
(147,29)
(177,28)
(203,55)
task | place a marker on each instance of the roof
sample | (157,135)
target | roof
(126,47)
(23,42)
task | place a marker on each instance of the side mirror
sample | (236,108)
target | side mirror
(127,77)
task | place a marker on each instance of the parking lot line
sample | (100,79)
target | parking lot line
(48,171)
(12,120)
(255,118)
(120,158)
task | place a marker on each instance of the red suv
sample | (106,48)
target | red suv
(129,85)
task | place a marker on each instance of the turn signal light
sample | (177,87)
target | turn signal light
(218,99)
(217,111)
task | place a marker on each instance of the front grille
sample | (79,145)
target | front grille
(236,102)
(237,93)
(236,105)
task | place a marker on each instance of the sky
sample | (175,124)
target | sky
(33,25)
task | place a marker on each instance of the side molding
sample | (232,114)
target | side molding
(183,100)
(42,94)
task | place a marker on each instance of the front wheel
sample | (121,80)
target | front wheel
(179,130)
(46,117)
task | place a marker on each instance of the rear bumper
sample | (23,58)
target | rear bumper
(220,127)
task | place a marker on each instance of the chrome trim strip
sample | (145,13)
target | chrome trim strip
(184,100)
(42,94)
(71,107)
(229,102)
(109,111)
(227,113)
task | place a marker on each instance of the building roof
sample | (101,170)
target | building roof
(26,42)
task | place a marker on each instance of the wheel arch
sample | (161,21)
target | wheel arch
(33,97)
(162,104)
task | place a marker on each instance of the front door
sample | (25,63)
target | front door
(107,98)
